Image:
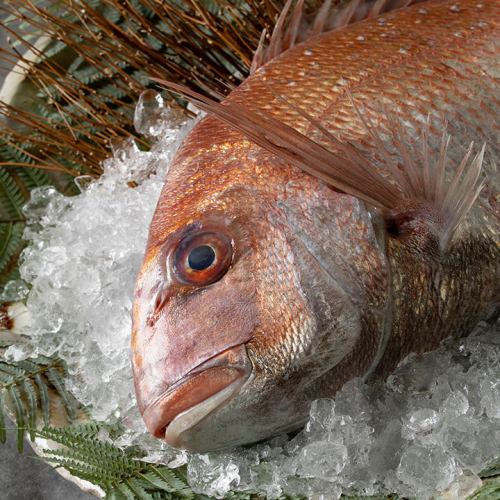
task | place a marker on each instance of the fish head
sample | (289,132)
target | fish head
(249,301)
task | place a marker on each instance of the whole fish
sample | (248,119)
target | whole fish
(325,220)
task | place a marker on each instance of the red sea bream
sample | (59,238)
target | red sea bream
(326,219)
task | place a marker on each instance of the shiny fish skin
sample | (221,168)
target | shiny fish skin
(318,292)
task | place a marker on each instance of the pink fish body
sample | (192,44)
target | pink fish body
(262,288)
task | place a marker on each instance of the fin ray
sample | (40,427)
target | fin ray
(286,34)
(345,173)
(415,182)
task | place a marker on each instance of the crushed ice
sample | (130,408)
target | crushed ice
(433,426)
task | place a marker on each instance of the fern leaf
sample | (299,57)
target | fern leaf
(11,198)
(54,48)
(3,433)
(137,489)
(169,481)
(112,15)
(12,273)
(57,381)
(86,455)
(11,152)
(33,177)
(89,75)
(31,399)
(14,372)
(158,483)
(19,411)
(111,90)
(44,398)
(489,491)
(126,491)
(492,470)
(115,495)
(27,385)
(77,64)
(11,243)
(87,430)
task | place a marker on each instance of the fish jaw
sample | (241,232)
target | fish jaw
(202,391)
(171,344)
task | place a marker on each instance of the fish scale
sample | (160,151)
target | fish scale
(419,71)
(326,281)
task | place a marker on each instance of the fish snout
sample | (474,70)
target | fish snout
(206,388)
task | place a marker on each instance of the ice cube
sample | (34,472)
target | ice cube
(13,291)
(427,470)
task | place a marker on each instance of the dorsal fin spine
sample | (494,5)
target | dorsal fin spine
(418,188)
(287,35)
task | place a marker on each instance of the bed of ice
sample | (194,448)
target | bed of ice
(432,427)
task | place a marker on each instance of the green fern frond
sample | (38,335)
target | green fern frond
(88,74)
(11,244)
(33,177)
(492,470)
(489,491)
(11,197)
(25,391)
(113,91)
(119,473)
(11,275)
(55,48)
(10,151)
(15,186)
(3,430)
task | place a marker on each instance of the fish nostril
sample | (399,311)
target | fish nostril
(161,299)
(158,303)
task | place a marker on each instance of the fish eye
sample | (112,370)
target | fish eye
(203,258)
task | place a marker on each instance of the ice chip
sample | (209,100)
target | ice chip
(427,470)
(420,421)
(83,182)
(463,487)
(40,198)
(152,118)
(321,417)
(490,397)
(323,459)
(456,404)
(213,476)
(14,290)
(149,113)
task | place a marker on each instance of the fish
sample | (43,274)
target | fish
(336,212)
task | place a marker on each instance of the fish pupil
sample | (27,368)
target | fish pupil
(201,257)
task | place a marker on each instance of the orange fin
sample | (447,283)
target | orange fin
(292,27)
(421,177)
(414,197)
(348,173)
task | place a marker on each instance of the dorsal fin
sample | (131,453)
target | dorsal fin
(292,27)
(414,197)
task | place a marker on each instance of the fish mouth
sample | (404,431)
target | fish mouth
(202,391)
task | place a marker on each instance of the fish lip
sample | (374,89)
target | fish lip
(217,381)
